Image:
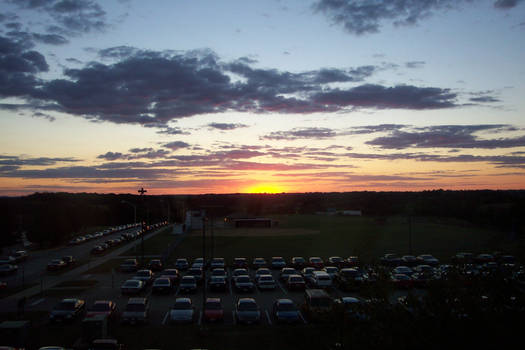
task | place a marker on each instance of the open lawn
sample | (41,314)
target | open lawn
(367,237)
(153,245)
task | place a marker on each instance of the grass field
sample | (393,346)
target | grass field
(367,237)
(154,245)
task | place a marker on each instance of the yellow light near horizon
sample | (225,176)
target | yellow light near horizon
(263,188)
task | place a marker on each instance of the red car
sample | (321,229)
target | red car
(316,262)
(213,311)
(401,280)
(103,307)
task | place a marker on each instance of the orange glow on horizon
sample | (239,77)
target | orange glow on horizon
(263,188)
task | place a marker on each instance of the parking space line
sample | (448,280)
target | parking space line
(36,302)
(302,318)
(165,318)
(268,317)
(282,288)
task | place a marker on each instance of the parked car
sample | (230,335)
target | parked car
(400,280)
(483,258)
(262,271)
(333,271)
(67,309)
(162,284)
(103,307)
(247,311)
(390,260)
(188,284)
(265,282)
(106,344)
(320,279)
(318,305)
(277,262)
(285,311)
(307,273)
(258,263)
(197,273)
(56,264)
(20,256)
(69,260)
(239,272)
(402,270)
(98,249)
(182,264)
(182,311)
(220,272)
(243,283)
(132,287)
(351,278)
(427,259)
(217,263)
(213,310)
(295,282)
(336,261)
(352,261)
(316,262)
(129,265)
(298,262)
(136,311)
(8,269)
(286,272)
(409,260)
(218,283)
(199,262)
(145,276)
(172,274)
(240,263)
(155,265)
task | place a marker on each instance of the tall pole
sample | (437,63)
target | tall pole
(142,191)
(204,263)
(410,235)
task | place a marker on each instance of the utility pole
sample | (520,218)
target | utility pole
(141,191)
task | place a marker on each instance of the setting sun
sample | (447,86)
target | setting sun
(264,188)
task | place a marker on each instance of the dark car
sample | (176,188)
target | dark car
(98,249)
(285,311)
(67,309)
(155,265)
(298,262)
(213,310)
(188,284)
(182,264)
(336,261)
(243,283)
(218,283)
(162,284)
(8,269)
(316,262)
(56,264)
(409,260)
(390,260)
(172,274)
(286,272)
(352,261)
(197,273)
(295,282)
(129,265)
(247,311)
(20,256)
(258,263)
(145,276)
(69,260)
(103,307)
(277,262)
(239,263)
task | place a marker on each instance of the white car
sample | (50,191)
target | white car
(182,311)
(266,282)
(137,310)
(321,279)
(132,287)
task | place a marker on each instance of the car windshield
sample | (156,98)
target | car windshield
(247,306)
(299,260)
(213,305)
(65,305)
(131,284)
(243,279)
(266,278)
(321,302)
(295,279)
(135,307)
(101,307)
(286,307)
(182,305)
(162,281)
(315,260)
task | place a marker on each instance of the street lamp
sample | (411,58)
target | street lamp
(134,210)
(142,191)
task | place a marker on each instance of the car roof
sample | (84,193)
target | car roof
(284,301)
(246,300)
(137,300)
(183,300)
(214,300)
(102,302)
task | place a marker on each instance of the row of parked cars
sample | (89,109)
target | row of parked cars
(91,236)
(8,264)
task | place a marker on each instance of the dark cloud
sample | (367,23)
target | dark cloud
(364,17)
(377,96)
(506,4)
(173,131)
(447,136)
(50,39)
(141,150)
(484,99)
(112,156)
(368,129)
(415,64)
(73,60)
(175,145)
(226,126)
(72,17)
(300,133)
(40,161)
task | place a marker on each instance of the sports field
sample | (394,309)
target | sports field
(367,237)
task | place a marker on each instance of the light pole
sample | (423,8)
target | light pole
(142,191)
(204,219)
(134,210)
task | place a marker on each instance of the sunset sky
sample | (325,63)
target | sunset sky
(191,96)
